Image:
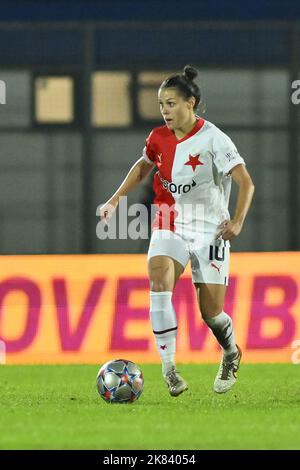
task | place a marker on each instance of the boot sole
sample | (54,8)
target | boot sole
(179,393)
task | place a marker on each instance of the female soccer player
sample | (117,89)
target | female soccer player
(195,163)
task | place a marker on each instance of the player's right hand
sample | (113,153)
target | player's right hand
(107,210)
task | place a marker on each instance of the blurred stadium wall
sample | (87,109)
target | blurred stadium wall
(79,81)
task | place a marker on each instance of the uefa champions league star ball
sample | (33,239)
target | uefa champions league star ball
(120,381)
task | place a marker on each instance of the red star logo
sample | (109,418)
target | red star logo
(194,161)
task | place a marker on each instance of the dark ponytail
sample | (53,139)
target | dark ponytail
(190,72)
(184,83)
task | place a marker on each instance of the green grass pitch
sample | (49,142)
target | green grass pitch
(58,407)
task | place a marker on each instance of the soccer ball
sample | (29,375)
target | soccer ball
(120,381)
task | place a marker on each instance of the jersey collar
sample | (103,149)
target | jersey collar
(196,128)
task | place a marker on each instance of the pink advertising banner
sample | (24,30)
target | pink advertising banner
(93,308)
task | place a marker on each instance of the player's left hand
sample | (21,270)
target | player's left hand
(229,229)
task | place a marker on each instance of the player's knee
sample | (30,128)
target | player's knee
(158,286)
(211,311)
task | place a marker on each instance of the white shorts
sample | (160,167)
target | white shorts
(209,259)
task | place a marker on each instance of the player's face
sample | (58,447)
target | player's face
(174,109)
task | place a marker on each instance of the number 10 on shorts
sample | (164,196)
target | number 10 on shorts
(214,253)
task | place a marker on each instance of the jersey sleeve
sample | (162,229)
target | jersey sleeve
(225,153)
(148,152)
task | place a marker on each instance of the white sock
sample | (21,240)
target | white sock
(222,328)
(164,326)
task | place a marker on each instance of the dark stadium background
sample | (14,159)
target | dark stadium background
(54,175)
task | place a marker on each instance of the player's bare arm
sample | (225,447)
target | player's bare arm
(232,228)
(138,172)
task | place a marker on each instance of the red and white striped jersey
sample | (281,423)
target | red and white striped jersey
(192,178)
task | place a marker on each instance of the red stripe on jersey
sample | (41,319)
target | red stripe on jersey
(164,200)
(166,214)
